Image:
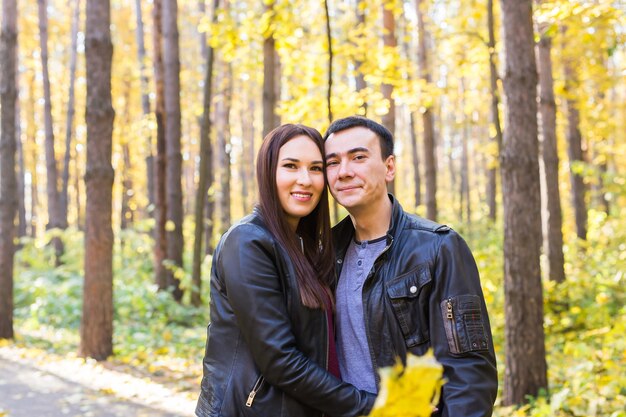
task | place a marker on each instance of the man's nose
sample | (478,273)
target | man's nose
(344,169)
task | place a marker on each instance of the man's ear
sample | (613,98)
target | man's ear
(390,163)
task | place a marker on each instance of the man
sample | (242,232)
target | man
(406,284)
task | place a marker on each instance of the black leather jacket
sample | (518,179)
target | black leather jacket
(266,354)
(424,291)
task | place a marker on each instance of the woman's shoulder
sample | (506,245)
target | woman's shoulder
(248,229)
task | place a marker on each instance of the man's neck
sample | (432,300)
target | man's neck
(372,222)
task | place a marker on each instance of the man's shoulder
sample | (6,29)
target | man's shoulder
(415,222)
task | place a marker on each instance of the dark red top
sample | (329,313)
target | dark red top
(333,362)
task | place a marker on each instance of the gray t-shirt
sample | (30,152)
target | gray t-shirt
(353,351)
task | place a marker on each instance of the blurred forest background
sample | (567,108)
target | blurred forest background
(128,141)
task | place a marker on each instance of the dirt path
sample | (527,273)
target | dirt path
(34,383)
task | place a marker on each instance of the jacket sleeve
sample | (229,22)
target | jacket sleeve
(460,332)
(248,267)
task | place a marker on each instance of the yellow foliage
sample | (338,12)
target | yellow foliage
(412,391)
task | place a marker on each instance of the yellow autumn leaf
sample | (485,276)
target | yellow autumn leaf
(411,391)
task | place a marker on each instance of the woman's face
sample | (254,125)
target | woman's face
(299,178)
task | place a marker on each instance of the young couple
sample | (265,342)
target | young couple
(302,318)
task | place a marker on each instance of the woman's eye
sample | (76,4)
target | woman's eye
(317,168)
(289,165)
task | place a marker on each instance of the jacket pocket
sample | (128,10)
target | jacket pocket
(463,322)
(409,298)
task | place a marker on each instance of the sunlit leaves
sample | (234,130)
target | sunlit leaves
(411,391)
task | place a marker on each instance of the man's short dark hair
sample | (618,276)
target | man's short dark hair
(384,135)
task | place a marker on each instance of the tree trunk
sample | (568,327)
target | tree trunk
(21,167)
(69,123)
(329,45)
(465,194)
(222,114)
(417,180)
(247,158)
(574,141)
(173,168)
(492,174)
(205,173)
(389,42)
(359,75)
(8,139)
(160,197)
(430,165)
(54,203)
(32,154)
(96,330)
(553,235)
(145,99)
(524,346)
(270,78)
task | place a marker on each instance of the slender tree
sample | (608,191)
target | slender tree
(390,43)
(270,70)
(223,143)
(205,171)
(574,139)
(173,167)
(494,113)
(526,367)
(54,202)
(21,165)
(145,97)
(8,139)
(430,167)
(69,121)
(359,76)
(160,196)
(32,154)
(96,329)
(552,217)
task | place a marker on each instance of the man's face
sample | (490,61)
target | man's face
(357,174)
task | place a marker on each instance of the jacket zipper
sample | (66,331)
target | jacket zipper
(450,316)
(257,386)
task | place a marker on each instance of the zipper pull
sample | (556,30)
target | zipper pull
(450,314)
(250,398)
(255,389)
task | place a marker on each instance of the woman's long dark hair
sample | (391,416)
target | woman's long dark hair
(314,266)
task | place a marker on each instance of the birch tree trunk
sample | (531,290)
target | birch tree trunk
(524,345)
(552,217)
(96,329)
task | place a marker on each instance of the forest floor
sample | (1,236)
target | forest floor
(35,382)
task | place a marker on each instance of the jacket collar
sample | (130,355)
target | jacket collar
(343,232)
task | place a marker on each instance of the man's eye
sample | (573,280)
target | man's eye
(331,163)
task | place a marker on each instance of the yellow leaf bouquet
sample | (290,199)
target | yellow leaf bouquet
(411,391)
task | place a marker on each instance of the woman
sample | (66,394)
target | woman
(270,340)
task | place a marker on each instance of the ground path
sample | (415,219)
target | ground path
(35,383)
